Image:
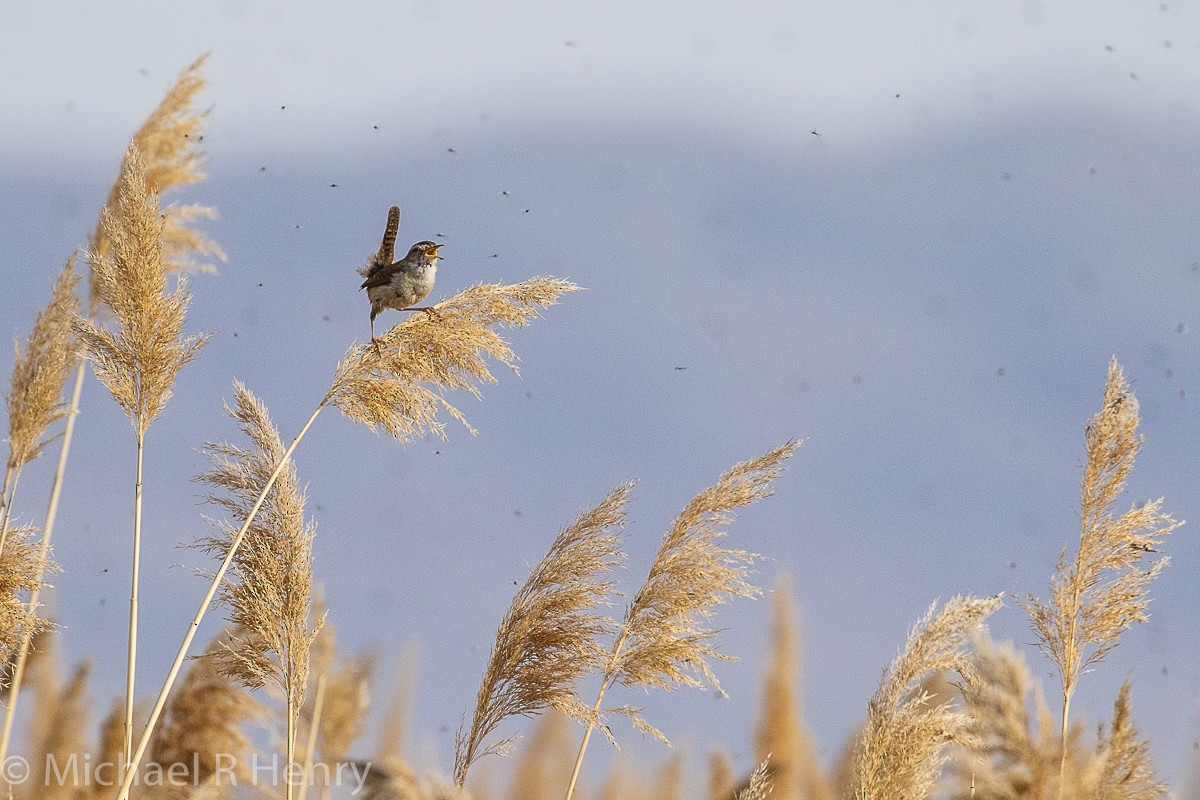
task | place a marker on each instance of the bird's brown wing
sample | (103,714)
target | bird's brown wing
(381,276)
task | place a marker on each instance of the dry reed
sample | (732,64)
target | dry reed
(1126,770)
(139,360)
(760,784)
(908,732)
(1103,590)
(720,775)
(795,770)
(204,728)
(168,144)
(268,593)
(549,637)
(663,641)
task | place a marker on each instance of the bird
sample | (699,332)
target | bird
(401,284)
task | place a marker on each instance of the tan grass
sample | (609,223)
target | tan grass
(22,570)
(549,637)
(1097,595)
(347,701)
(206,720)
(795,770)
(909,731)
(269,591)
(1010,753)
(664,641)
(168,144)
(139,360)
(720,775)
(379,385)
(760,785)
(1126,771)
(538,772)
(670,779)
(40,370)
(63,712)
(35,402)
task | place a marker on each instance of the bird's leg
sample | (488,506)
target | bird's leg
(430,310)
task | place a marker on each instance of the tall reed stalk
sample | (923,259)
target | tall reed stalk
(1104,590)
(139,360)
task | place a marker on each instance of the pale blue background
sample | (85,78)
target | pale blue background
(1002,196)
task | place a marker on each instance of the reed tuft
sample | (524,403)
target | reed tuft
(905,742)
(139,361)
(22,569)
(205,722)
(40,370)
(664,641)
(169,146)
(383,385)
(760,785)
(549,637)
(269,591)
(1126,770)
(1096,596)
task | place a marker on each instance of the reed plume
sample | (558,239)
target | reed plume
(34,401)
(1104,589)
(720,775)
(1009,754)
(387,386)
(168,145)
(1126,770)
(347,701)
(908,732)
(796,771)
(139,360)
(22,571)
(269,591)
(204,728)
(760,784)
(537,774)
(663,641)
(549,637)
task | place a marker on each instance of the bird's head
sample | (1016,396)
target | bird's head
(427,251)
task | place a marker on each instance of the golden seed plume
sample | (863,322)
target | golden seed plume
(1125,768)
(760,785)
(664,642)
(269,590)
(385,387)
(538,773)
(720,775)
(139,360)
(796,771)
(205,722)
(23,565)
(905,742)
(549,636)
(40,370)
(64,714)
(347,701)
(1103,591)
(169,144)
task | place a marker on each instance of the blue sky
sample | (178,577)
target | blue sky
(912,234)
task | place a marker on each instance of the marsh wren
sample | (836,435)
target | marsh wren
(401,284)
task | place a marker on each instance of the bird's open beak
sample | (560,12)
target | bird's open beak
(433,251)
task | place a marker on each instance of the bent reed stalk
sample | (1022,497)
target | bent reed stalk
(382,386)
